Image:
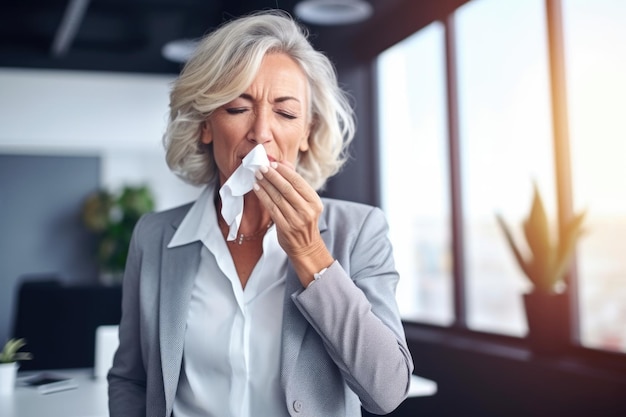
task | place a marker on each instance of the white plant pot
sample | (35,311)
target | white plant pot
(8,373)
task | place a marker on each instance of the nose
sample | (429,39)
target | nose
(260,130)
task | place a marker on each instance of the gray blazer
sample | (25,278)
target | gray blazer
(343,344)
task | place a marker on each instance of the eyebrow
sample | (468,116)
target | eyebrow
(278,100)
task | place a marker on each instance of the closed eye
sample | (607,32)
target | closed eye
(286,115)
(236,110)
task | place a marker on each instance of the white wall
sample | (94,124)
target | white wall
(120,117)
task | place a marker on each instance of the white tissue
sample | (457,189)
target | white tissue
(240,183)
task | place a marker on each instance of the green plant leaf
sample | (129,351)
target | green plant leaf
(567,245)
(537,233)
(521,261)
(113,218)
(10,351)
(548,261)
(96,209)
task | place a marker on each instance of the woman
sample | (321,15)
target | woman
(285,304)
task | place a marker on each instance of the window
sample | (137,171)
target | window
(505,139)
(595,35)
(414,172)
(505,142)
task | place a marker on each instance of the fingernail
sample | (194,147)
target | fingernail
(263,169)
(258,175)
(274,165)
(255,186)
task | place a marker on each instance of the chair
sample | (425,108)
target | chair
(59,322)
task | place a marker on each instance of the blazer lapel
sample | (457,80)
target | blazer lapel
(295,325)
(179,267)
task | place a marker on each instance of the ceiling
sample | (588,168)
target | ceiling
(126,35)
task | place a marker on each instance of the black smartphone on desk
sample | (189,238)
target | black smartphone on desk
(47,382)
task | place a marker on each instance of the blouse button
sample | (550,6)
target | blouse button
(297,406)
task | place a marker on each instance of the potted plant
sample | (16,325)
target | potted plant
(9,358)
(545,262)
(112,217)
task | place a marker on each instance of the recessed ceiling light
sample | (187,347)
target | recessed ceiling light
(179,50)
(333,12)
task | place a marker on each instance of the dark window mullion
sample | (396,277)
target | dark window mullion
(458,254)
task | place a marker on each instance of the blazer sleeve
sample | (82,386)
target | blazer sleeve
(127,376)
(353,308)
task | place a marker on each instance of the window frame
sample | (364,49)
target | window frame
(459,329)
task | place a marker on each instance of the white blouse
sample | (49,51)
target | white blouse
(231,356)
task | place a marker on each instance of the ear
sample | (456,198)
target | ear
(304,142)
(206,136)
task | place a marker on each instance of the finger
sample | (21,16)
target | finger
(278,188)
(263,194)
(288,220)
(280,191)
(294,187)
(283,196)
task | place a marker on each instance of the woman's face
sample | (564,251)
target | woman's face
(273,111)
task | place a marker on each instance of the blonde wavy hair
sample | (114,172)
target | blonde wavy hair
(224,65)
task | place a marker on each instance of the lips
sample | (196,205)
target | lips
(269,157)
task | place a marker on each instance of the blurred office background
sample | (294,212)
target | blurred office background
(461,106)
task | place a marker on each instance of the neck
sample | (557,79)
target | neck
(254,217)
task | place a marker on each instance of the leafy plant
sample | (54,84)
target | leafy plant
(10,352)
(547,260)
(113,217)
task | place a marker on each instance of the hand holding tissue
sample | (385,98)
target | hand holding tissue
(240,183)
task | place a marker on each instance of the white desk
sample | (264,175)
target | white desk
(422,387)
(90,398)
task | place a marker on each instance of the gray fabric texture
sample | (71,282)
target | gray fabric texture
(343,344)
